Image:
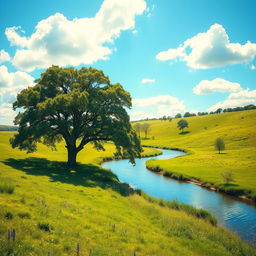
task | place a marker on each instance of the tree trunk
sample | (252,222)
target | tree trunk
(72,153)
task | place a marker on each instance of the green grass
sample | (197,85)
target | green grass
(203,162)
(53,208)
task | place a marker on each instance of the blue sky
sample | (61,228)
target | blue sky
(172,56)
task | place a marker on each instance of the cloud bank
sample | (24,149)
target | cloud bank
(236,99)
(4,56)
(60,41)
(210,49)
(216,85)
(163,105)
(11,83)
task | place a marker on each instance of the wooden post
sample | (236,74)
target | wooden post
(134,254)
(78,249)
(13,234)
(9,235)
(48,254)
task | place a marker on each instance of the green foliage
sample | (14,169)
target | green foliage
(8,215)
(145,127)
(219,144)
(137,128)
(227,177)
(45,226)
(79,106)
(182,124)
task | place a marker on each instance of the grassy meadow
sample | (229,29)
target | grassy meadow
(53,208)
(203,162)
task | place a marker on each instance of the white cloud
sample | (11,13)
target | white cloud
(60,41)
(135,31)
(139,115)
(253,67)
(11,83)
(210,49)
(236,99)
(147,80)
(4,56)
(6,114)
(162,105)
(216,85)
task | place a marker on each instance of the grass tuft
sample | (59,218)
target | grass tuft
(6,187)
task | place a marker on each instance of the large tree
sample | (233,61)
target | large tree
(79,106)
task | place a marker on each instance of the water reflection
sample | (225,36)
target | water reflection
(231,213)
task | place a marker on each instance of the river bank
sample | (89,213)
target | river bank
(241,194)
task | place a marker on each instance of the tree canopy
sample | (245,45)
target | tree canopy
(182,124)
(79,106)
(219,144)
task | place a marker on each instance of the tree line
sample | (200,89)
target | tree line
(218,111)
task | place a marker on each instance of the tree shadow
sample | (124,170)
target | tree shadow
(184,132)
(221,153)
(229,185)
(81,175)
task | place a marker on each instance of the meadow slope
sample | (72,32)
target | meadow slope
(203,162)
(53,208)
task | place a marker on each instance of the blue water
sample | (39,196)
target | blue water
(231,213)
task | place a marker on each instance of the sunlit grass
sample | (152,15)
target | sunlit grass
(203,162)
(54,208)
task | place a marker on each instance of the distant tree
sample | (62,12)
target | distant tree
(137,128)
(219,144)
(182,124)
(178,115)
(227,176)
(77,106)
(218,111)
(145,128)
(187,114)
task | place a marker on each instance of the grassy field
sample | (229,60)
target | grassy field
(53,208)
(203,162)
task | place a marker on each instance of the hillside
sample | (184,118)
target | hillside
(53,208)
(203,162)
(8,128)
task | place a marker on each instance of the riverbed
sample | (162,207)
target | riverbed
(231,213)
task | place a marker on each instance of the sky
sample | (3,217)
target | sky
(173,56)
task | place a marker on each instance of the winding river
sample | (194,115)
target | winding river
(231,213)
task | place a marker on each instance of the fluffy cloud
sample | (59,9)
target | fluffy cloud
(6,114)
(10,84)
(147,80)
(60,41)
(210,49)
(139,115)
(162,105)
(216,85)
(236,99)
(4,56)
(253,67)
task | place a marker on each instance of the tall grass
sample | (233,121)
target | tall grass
(6,187)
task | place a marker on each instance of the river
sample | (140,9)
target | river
(232,213)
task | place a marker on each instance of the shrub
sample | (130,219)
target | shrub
(6,187)
(8,215)
(227,176)
(24,215)
(44,226)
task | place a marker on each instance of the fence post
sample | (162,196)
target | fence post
(9,235)
(13,234)
(78,249)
